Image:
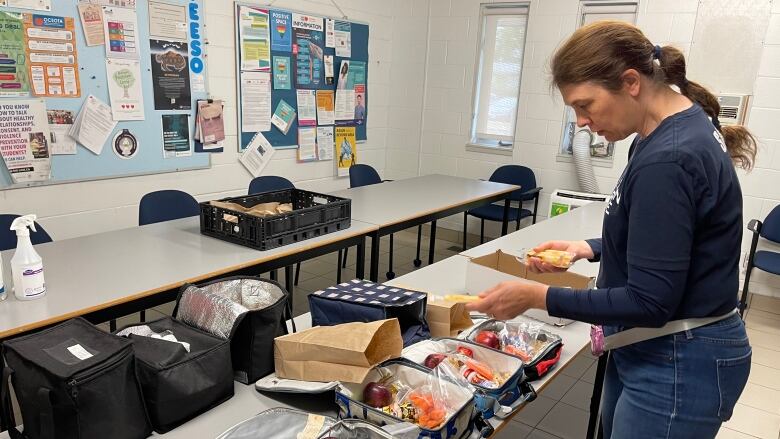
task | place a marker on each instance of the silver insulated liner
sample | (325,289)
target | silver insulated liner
(279,423)
(216,307)
(356,429)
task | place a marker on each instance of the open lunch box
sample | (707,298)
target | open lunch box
(412,394)
(538,348)
(503,391)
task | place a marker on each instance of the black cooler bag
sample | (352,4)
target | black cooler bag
(363,301)
(183,376)
(249,311)
(74,381)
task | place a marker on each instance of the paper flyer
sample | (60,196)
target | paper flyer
(170,75)
(93,125)
(308,55)
(60,122)
(39,5)
(120,32)
(360,104)
(307,144)
(92,23)
(343,38)
(125,144)
(124,89)
(307,107)
(330,33)
(24,134)
(281,31)
(210,122)
(257,155)
(255,102)
(13,72)
(325,145)
(254,39)
(176,135)
(346,149)
(345,94)
(325,107)
(53,60)
(167,21)
(282,73)
(118,3)
(328,59)
(283,116)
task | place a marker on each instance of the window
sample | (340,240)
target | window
(591,12)
(497,80)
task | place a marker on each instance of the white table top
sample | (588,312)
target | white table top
(93,272)
(396,201)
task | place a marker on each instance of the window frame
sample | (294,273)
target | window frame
(482,142)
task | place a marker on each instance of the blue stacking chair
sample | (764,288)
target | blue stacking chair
(166,205)
(8,236)
(161,206)
(764,260)
(508,174)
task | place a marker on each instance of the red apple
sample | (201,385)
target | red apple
(488,338)
(465,351)
(433,360)
(377,395)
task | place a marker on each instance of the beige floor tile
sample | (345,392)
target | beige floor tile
(513,430)
(727,433)
(558,387)
(166,308)
(760,313)
(761,397)
(535,411)
(565,421)
(590,375)
(765,324)
(766,356)
(765,303)
(763,339)
(764,376)
(318,267)
(577,367)
(540,434)
(754,422)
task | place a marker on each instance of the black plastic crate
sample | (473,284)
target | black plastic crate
(313,215)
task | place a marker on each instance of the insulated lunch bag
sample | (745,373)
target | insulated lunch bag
(73,381)
(249,311)
(183,374)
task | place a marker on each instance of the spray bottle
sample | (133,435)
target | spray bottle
(26,264)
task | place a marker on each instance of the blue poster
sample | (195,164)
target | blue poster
(281,73)
(281,35)
(308,51)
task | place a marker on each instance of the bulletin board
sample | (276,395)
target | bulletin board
(85,165)
(359,52)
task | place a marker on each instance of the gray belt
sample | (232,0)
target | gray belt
(635,335)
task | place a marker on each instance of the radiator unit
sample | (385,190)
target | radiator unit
(563,200)
(732,109)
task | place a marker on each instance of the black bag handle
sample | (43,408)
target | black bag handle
(46,413)
(7,421)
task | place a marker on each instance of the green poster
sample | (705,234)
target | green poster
(357,74)
(281,73)
(558,209)
(14,79)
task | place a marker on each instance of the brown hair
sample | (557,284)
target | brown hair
(600,52)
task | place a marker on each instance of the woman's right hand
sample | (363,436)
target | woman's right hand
(580,249)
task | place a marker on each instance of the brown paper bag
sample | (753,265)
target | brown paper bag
(344,352)
(446,318)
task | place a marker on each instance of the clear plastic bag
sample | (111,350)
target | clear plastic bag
(556,258)
(522,339)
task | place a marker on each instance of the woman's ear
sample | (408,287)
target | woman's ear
(632,82)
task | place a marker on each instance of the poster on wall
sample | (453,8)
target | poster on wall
(124,89)
(120,27)
(254,39)
(325,144)
(60,123)
(13,72)
(325,107)
(125,144)
(118,3)
(343,38)
(176,135)
(24,134)
(257,154)
(346,149)
(170,75)
(51,51)
(39,5)
(282,73)
(281,32)
(358,83)
(255,102)
(307,144)
(92,23)
(308,51)
(167,21)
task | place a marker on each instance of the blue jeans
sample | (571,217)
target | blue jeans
(682,385)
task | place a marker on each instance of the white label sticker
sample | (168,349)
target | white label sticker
(79,352)
(313,426)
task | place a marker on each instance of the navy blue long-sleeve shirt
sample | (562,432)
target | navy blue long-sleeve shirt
(672,232)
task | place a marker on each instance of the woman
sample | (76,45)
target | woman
(670,243)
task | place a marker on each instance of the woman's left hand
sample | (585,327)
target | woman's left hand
(510,299)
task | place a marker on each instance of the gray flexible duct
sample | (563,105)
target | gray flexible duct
(582,163)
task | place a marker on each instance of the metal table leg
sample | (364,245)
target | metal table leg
(505,222)
(360,267)
(373,274)
(432,245)
(594,423)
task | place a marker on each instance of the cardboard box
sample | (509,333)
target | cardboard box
(445,318)
(484,272)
